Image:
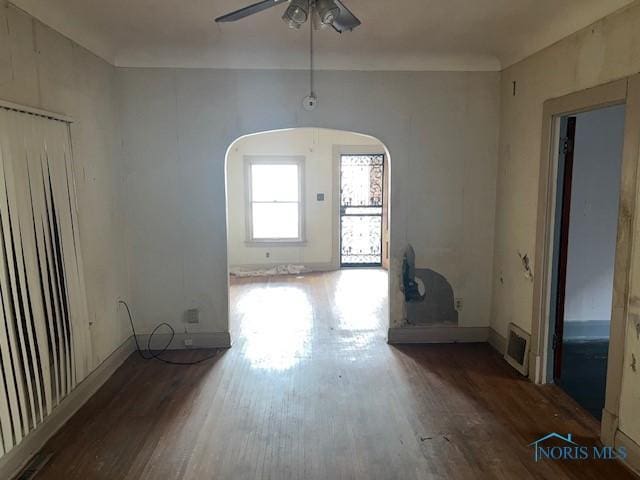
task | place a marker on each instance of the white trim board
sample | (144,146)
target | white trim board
(632,461)
(15,460)
(437,334)
(497,341)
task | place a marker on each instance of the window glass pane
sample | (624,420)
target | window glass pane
(362,180)
(275,220)
(274,183)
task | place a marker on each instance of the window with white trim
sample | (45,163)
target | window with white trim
(275,207)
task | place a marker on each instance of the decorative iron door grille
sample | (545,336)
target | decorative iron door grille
(361,204)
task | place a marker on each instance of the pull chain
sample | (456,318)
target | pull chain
(311,101)
(311,11)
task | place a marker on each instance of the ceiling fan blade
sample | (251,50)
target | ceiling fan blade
(250,10)
(346,21)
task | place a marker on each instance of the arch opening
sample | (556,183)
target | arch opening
(305,208)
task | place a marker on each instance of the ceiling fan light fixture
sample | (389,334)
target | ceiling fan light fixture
(328,11)
(296,13)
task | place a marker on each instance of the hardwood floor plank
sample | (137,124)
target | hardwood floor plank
(311,390)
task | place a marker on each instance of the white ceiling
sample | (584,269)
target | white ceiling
(395,35)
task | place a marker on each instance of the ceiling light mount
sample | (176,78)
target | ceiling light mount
(310,102)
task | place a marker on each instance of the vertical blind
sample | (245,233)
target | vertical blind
(44,337)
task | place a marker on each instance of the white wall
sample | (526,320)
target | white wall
(316,146)
(41,68)
(440,128)
(593,56)
(594,219)
(607,50)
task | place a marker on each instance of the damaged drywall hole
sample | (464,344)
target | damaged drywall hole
(428,295)
(514,85)
(501,278)
(526,264)
(633,362)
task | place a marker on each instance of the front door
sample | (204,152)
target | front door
(361,208)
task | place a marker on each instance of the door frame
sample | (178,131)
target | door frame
(627,92)
(566,141)
(338,151)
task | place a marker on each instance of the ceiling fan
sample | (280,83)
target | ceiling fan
(328,12)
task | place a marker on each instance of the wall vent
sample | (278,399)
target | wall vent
(517,353)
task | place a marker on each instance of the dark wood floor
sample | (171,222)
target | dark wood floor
(311,390)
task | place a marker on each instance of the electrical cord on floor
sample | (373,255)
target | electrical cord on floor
(157,356)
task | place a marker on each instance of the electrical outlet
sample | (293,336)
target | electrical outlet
(193,315)
(188,342)
(459,304)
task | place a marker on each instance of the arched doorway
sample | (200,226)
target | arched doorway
(307,210)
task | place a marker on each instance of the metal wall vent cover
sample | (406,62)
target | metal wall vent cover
(517,352)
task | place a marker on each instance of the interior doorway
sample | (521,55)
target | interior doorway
(294,198)
(584,246)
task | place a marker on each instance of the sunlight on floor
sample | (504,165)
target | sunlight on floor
(283,320)
(277,323)
(359,299)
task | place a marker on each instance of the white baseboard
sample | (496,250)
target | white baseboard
(15,460)
(497,341)
(198,340)
(437,334)
(633,451)
(608,427)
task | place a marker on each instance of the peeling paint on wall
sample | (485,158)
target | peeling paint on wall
(526,265)
(635,318)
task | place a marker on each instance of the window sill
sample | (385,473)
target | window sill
(275,243)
